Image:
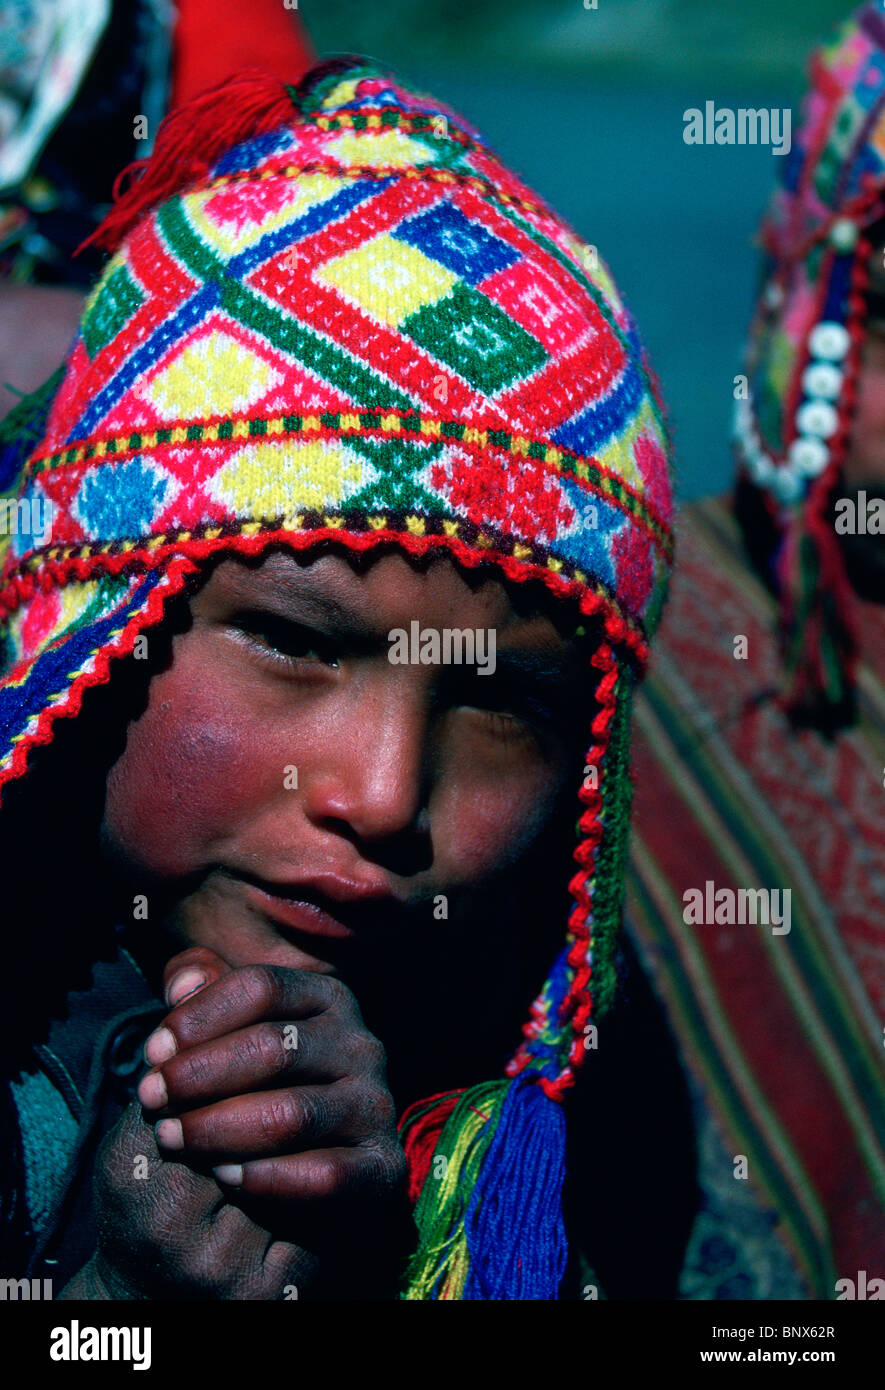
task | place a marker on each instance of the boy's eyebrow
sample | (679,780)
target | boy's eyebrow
(545,663)
(324,605)
(540,664)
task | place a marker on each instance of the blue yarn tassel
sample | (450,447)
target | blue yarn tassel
(514,1225)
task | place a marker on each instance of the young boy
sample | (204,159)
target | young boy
(346,388)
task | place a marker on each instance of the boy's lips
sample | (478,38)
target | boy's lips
(329,906)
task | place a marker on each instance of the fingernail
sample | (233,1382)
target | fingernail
(184,983)
(160,1046)
(229,1173)
(170,1134)
(152,1090)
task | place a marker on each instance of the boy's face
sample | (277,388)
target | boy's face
(291,796)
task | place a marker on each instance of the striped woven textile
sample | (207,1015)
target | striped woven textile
(782,1034)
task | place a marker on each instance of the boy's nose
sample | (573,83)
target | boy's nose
(376,777)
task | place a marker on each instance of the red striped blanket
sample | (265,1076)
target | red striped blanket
(782,1034)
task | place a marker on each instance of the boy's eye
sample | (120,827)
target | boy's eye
(510,726)
(510,712)
(287,641)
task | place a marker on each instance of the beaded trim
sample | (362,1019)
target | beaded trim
(823,403)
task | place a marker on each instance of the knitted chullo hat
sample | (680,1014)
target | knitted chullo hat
(333,315)
(805,349)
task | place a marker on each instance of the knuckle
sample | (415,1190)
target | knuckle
(394,1168)
(328,1174)
(191,1068)
(385,1166)
(381,1110)
(267,1047)
(370,1052)
(283,1115)
(337,993)
(259,985)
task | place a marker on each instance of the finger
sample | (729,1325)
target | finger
(264,1124)
(266,1054)
(251,994)
(318,1174)
(191,970)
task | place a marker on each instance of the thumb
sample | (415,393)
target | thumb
(190,971)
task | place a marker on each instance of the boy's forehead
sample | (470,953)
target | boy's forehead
(374,589)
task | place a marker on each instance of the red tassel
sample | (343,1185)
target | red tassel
(419,1130)
(188,143)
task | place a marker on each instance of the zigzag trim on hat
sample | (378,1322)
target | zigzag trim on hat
(417,535)
(91,652)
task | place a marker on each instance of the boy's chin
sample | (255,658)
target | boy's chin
(251,942)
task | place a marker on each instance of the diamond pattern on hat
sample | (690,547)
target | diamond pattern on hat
(618,455)
(401,477)
(528,294)
(213,375)
(465,247)
(590,537)
(277,479)
(232,219)
(390,149)
(121,500)
(389,279)
(526,500)
(479,341)
(115,301)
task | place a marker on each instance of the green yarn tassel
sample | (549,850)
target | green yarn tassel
(439,1267)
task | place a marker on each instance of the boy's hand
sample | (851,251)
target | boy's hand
(165,1231)
(269,1076)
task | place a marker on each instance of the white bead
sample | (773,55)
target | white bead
(829,341)
(762,470)
(774,295)
(843,234)
(809,455)
(822,379)
(817,417)
(786,485)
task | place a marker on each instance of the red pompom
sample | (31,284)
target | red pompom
(188,143)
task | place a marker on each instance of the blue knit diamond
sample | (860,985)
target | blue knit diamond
(119,501)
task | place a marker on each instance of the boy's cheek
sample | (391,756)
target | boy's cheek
(480,829)
(185,778)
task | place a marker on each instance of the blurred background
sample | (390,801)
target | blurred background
(587,104)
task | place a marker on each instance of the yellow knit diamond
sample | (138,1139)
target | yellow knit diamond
(270,480)
(216,375)
(391,149)
(388,278)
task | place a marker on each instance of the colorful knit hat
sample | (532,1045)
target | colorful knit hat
(331,315)
(793,430)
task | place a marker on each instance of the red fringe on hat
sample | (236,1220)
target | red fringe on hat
(188,143)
